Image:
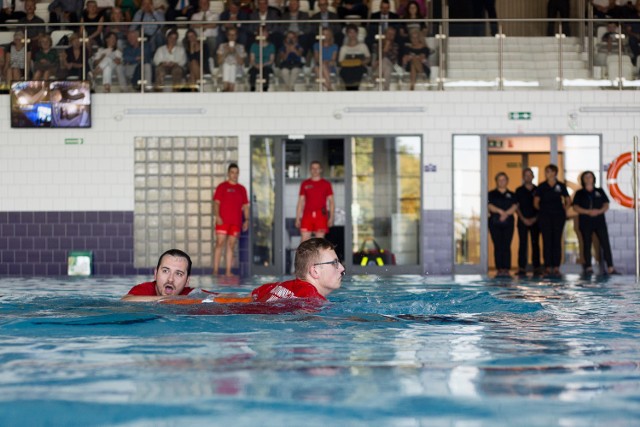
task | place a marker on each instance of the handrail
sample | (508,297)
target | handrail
(441,37)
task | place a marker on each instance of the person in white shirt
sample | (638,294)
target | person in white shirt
(231,57)
(170,59)
(209,31)
(107,61)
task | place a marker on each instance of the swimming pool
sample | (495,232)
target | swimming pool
(399,351)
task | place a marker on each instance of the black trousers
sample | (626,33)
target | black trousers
(587,228)
(551,228)
(502,235)
(523,235)
(554,8)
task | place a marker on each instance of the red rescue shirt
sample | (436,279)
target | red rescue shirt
(315,195)
(149,289)
(232,198)
(286,290)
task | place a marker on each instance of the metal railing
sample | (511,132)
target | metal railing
(625,77)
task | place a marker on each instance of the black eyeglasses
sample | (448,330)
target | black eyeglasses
(336,263)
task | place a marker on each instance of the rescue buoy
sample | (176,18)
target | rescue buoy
(612,180)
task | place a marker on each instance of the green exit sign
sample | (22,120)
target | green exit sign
(73,141)
(520,115)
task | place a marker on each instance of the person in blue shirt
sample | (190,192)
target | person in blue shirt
(261,55)
(591,203)
(132,58)
(502,206)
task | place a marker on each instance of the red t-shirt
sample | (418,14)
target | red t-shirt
(149,289)
(232,198)
(286,290)
(315,195)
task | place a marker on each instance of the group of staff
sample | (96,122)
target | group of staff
(543,210)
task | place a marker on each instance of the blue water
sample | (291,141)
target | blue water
(401,351)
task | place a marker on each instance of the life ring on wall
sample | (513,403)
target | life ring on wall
(612,180)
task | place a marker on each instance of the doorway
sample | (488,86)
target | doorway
(377,189)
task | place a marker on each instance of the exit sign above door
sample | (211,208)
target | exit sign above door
(520,115)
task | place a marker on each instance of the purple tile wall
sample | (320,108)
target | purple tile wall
(37,243)
(437,241)
(621,235)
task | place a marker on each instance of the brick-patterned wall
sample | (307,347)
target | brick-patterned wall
(37,243)
(437,241)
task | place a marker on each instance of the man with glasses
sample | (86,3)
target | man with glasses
(318,273)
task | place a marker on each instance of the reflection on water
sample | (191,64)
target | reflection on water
(393,351)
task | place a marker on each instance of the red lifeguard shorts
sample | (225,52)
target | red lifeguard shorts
(228,229)
(316,222)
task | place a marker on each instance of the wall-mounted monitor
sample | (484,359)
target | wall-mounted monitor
(52,104)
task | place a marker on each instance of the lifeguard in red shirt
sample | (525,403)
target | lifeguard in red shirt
(318,273)
(170,278)
(315,210)
(230,201)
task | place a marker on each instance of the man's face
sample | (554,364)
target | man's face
(203,5)
(294,6)
(171,277)
(384,8)
(263,5)
(527,177)
(329,276)
(315,170)
(323,5)
(233,175)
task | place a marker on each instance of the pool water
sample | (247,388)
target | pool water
(399,351)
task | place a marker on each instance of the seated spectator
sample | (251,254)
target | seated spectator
(233,18)
(415,56)
(132,58)
(2,62)
(401,7)
(45,60)
(231,57)
(15,58)
(412,13)
(35,32)
(264,14)
(353,7)
(12,9)
(329,58)
(193,51)
(120,27)
(390,56)
(152,32)
(303,31)
(208,31)
(129,8)
(180,9)
(72,59)
(92,16)
(107,61)
(170,59)
(385,19)
(290,60)
(65,11)
(324,15)
(353,59)
(261,57)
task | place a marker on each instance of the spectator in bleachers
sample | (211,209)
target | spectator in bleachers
(33,33)
(401,7)
(329,57)
(490,10)
(632,31)
(180,9)
(193,50)
(555,8)
(412,12)
(353,7)
(415,57)
(116,16)
(46,60)
(231,57)
(132,57)
(209,31)
(303,32)
(385,19)
(65,11)
(129,8)
(12,9)
(265,14)
(108,61)
(390,56)
(92,16)
(170,59)
(601,8)
(353,59)
(152,32)
(324,15)
(234,15)
(291,60)
(15,58)
(261,57)
(72,58)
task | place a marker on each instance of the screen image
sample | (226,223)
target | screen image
(55,104)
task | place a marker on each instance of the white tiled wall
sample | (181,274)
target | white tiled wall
(39,172)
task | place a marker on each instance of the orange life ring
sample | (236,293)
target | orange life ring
(612,180)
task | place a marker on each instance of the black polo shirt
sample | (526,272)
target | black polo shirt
(502,201)
(590,200)
(551,197)
(525,201)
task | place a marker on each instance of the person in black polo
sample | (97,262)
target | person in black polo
(591,203)
(527,224)
(552,201)
(502,206)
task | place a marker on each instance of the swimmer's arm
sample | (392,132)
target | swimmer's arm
(142,298)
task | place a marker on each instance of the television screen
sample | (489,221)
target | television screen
(55,104)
